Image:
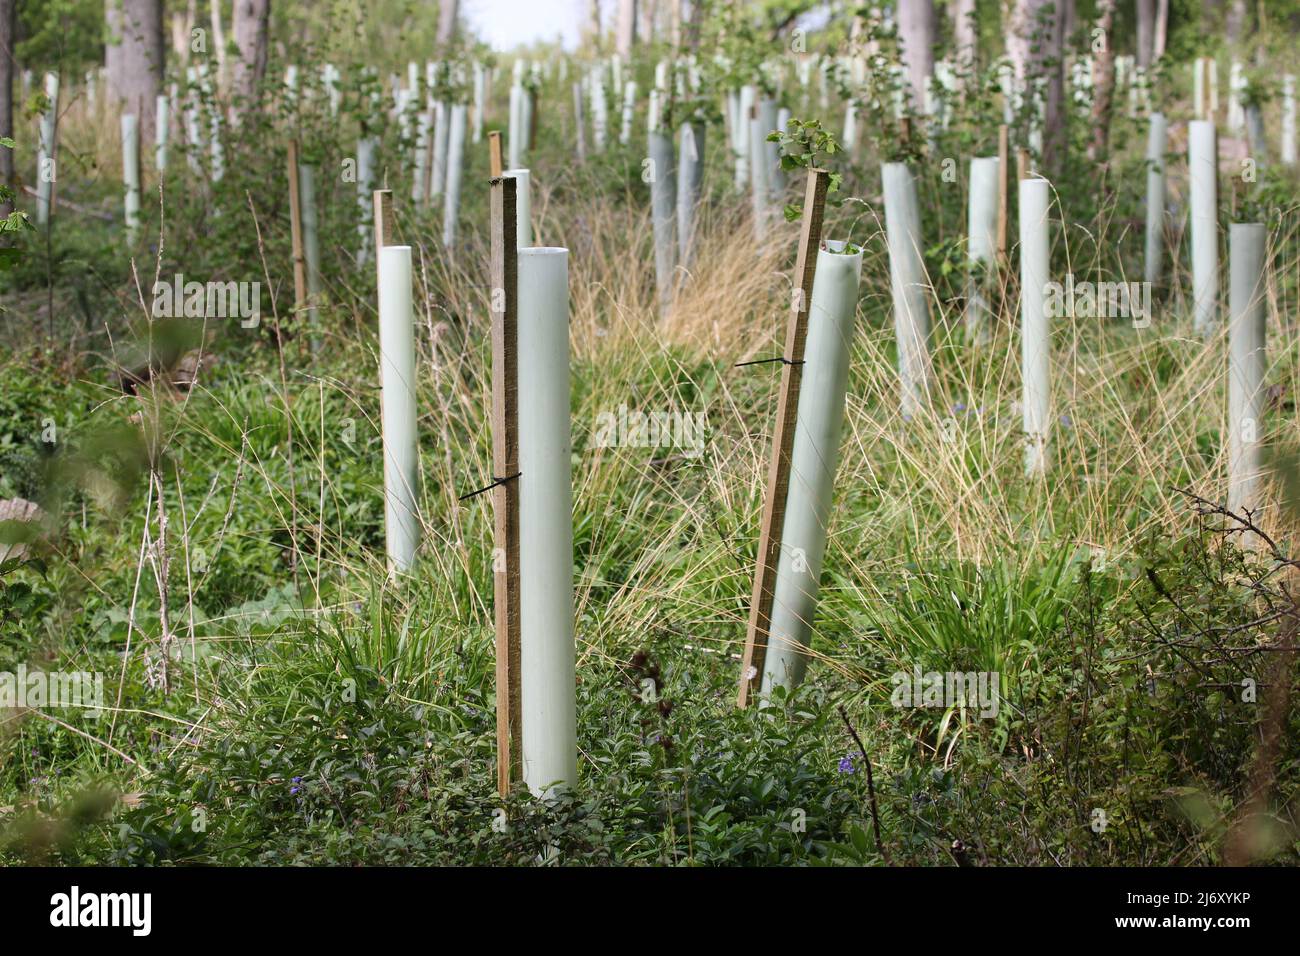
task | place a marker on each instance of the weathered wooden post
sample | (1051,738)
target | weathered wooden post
(494,153)
(754,661)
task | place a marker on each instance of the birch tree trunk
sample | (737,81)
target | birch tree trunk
(251,20)
(916,31)
(962,13)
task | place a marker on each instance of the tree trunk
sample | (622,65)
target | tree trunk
(218,41)
(1146,32)
(1234,22)
(1162,29)
(1103,83)
(962,13)
(446,22)
(7,38)
(251,19)
(626,27)
(135,57)
(916,29)
(1035,40)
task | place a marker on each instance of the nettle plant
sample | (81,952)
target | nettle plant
(806,144)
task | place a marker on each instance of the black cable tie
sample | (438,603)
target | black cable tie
(495,483)
(780,358)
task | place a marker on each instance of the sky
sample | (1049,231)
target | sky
(505,24)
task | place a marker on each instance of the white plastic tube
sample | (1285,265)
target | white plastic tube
(598,115)
(366,147)
(1035,336)
(771,119)
(1203,169)
(760,168)
(162,121)
(455,161)
(1155,234)
(1246,363)
(981,231)
(523,206)
(423,132)
(131,174)
(480,89)
(548,709)
(663,210)
(690,177)
(814,457)
(629,104)
(310,246)
(579,124)
(907,285)
(742,135)
(441,128)
(1288,120)
(46,162)
(397,407)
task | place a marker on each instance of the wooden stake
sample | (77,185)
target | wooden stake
(1004,158)
(532,122)
(1022,164)
(383,221)
(778,476)
(295,229)
(505,466)
(494,153)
